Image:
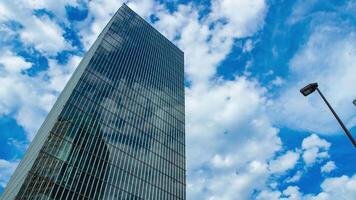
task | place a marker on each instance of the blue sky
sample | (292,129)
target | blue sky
(250,133)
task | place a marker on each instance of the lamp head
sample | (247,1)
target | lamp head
(309,89)
(354,102)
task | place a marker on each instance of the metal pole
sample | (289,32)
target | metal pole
(338,119)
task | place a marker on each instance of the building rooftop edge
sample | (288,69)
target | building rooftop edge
(126,6)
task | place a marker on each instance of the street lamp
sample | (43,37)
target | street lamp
(314,86)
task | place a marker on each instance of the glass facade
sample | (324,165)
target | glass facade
(120,132)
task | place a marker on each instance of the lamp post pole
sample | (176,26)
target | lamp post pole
(338,119)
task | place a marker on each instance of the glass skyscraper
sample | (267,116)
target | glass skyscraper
(117,129)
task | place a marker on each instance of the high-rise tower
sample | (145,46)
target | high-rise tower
(117,129)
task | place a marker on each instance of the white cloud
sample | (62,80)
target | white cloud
(20,145)
(245,17)
(219,161)
(342,187)
(278,81)
(300,10)
(22,96)
(296,177)
(284,162)
(29,98)
(5,12)
(248,46)
(328,55)
(57,7)
(43,33)
(229,135)
(328,167)
(216,117)
(6,169)
(314,149)
(207,40)
(8,8)
(13,64)
(171,24)
(314,141)
(268,195)
(291,193)
(142,7)
(60,74)
(228,185)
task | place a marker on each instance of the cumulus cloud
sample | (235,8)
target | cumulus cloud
(278,81)
(29,98)
(268,195)
(142,7)
(220,128)
(247,20)
(342,187)
(41,32)
(6,169)
(171,24)
(284,162)
(207,40)
(248,46)
(329,53)
(59,74)
(218,112)
(18,144)
(56,7)
(328,167)
(314,149)
(45,34)
(13,64)
(296,177)
(13,81)
(291,193)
